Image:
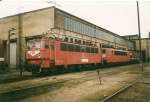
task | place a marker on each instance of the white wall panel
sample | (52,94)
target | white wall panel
(13,54)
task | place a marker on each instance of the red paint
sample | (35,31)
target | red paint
(51,57)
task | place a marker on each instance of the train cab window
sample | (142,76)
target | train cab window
(103,51)
(34,44)
(37,44)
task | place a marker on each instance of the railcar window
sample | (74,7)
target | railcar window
(70,47)
(96,50)
(63,47)
(77,48)
(92,50)
(83,49)
(88,49)
(120,53)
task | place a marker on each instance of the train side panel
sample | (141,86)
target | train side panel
(72,58)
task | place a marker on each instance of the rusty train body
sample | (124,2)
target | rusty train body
(52,53)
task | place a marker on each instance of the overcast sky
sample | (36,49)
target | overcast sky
(119,17)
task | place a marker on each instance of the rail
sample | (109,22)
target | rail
(120,90)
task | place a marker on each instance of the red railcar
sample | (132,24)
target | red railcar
(51,53)
(111,55)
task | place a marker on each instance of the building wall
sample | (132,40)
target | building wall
(27,24)
(65,21)
(6,24)
(1,49)
(145,46)
(37,23)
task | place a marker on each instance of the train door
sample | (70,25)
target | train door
(51,51)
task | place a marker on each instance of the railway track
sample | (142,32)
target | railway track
(114,97)
(124,88)
(118,91)
(90,76)
(29,90)
(103,72)
(30,77)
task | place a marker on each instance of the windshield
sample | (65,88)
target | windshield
(33,44)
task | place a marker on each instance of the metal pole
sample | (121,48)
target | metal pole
(141,61)
(8,49)
(19,43)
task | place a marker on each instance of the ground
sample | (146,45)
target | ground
(73,87)
(138,92)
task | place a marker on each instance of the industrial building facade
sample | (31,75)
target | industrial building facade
(145,45)
(38,23)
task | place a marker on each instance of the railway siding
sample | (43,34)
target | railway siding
(137,92)
(72,87)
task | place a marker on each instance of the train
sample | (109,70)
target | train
(49,53)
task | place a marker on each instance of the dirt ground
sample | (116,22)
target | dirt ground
(73,87)
(139,92)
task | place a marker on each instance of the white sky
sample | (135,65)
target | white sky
(119,17)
